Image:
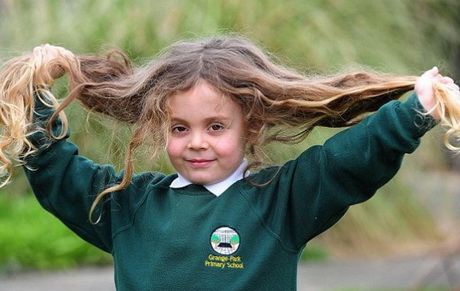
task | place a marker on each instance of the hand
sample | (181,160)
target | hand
(425,91)
(50,56)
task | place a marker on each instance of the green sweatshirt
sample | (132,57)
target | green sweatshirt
(248,238)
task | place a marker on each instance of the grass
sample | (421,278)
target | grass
(398,36)
(32,238)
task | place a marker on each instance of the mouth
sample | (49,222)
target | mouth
(199,163)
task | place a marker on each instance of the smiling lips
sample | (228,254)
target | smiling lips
(196,163)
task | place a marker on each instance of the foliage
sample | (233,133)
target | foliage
(32,238)
(398,36)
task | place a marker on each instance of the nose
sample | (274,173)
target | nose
(197,141)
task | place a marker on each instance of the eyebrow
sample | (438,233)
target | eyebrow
(206,120)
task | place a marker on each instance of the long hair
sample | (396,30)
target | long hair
(279,103)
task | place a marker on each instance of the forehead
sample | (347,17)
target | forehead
(202,99)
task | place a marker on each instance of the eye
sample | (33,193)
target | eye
(216,127)
(178,128)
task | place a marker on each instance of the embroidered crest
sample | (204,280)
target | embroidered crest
(225,240)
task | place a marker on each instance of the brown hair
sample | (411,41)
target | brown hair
(279,103)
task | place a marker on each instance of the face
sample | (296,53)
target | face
(207,135)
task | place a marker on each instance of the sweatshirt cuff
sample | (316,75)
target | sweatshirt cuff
(422,119)
(40,137)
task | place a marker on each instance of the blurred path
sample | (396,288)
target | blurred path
(396,274)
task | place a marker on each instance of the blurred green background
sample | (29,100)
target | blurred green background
(414,212)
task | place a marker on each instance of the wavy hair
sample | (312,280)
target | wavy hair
(279,103)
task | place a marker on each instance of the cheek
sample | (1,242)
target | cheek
(232,147)
(173,149)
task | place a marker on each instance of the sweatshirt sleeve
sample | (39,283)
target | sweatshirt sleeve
(355,163)
(365,157)
(66,183)
(312,192)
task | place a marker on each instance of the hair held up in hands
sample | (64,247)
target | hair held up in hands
(279,104)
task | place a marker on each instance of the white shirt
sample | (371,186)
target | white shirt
(216,188)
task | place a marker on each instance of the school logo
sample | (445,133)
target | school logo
(225,240)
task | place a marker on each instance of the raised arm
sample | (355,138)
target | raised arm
(64,182)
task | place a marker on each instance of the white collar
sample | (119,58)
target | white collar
(216,188)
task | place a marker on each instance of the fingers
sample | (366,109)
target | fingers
(50,52)
(452,86)
(44,51)
(433,72)
(430,74)
(447,81)
(434,75)
(52,57)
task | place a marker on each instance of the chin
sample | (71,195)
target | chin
(203,181)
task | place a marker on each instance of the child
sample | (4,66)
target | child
(219,222)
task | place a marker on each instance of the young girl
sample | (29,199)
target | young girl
(220,222)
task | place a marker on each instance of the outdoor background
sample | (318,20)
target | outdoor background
(417,212)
